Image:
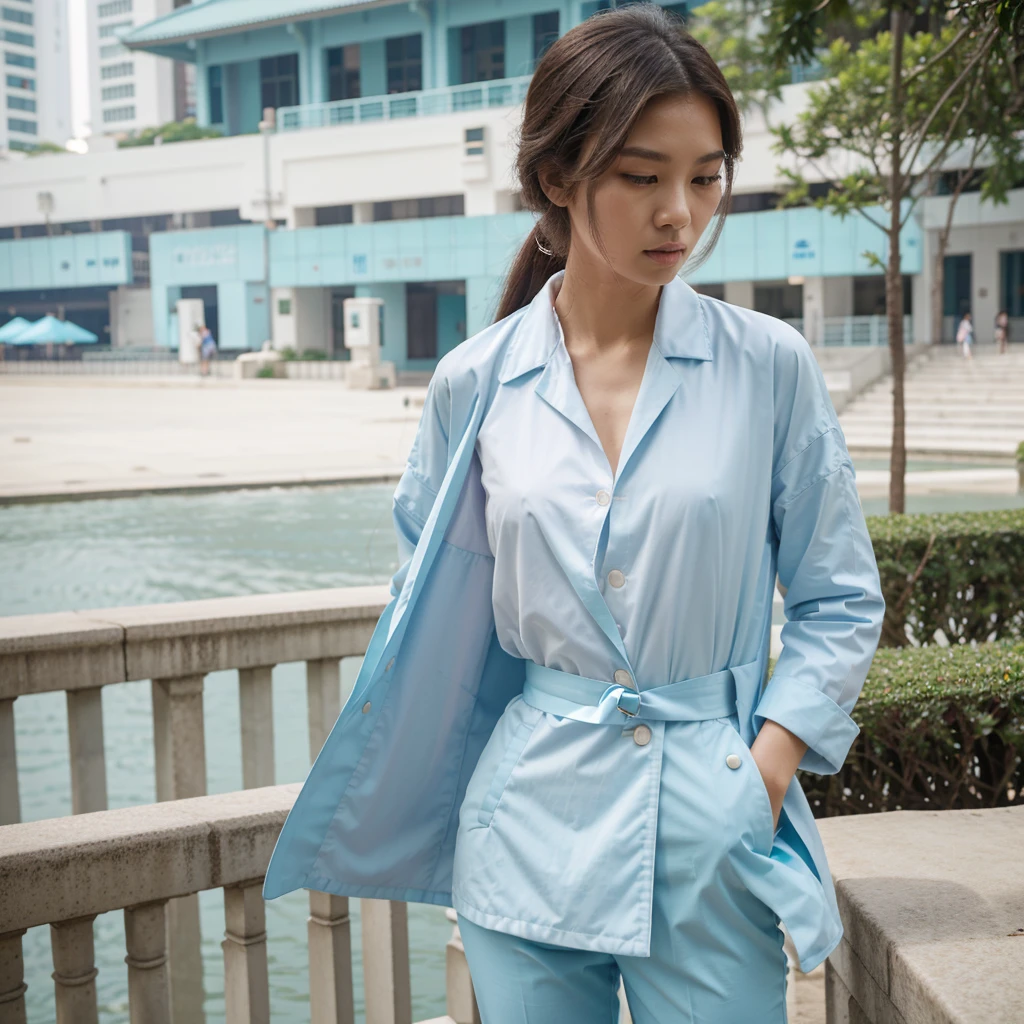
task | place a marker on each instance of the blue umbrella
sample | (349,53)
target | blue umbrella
(51,329)
(13,328)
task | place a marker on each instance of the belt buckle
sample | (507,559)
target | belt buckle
(633,698)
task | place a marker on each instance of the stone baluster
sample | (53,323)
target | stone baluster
(10,805)
(180,756)
(461,998)
(149,983)
(330,960)
(386,962)
(323,699)
(246,982)
(85,741)
(256,706)
(12,979)
(74,971)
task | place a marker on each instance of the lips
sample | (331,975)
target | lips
(667,248)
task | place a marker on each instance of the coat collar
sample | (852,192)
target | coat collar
(680,328)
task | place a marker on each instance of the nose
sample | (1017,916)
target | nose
(674,211)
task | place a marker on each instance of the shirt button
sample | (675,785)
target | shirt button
(733,760)
(366,707)
(603,497)
(642,735)
(623,678)
(616,578)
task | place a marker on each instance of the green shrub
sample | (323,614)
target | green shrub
(961,572)
(1020,452)
(265,372)
(941,728)
(314,354)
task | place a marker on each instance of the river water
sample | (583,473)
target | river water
(96,554)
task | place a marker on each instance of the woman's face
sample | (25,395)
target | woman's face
(662,188)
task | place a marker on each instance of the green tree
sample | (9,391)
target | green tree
(42,148)
(888,115)
(172,131)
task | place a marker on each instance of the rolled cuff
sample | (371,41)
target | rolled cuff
(814,717)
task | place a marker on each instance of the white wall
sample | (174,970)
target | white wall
(131,318)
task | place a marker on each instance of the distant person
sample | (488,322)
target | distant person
(965,335)
(1002,330)
(207,349)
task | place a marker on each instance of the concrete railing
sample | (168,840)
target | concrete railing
(146,861)
(176,646)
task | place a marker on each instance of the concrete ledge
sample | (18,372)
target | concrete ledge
(63,868)
(81,650)
(933,907)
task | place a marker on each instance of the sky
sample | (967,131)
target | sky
(79,71)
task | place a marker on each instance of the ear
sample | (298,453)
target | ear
(550,184)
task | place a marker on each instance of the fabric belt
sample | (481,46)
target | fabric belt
(600,703)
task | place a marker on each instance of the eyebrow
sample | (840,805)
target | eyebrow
(653,154)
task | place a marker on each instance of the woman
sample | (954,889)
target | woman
(965,335)
(1002,332)
(554,727)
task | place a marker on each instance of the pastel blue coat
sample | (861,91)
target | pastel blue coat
(378,815)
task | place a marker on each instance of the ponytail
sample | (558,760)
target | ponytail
(529,272)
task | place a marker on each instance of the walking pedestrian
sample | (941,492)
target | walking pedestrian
(207,349)
(965,335)
(559,727)
(1002,332)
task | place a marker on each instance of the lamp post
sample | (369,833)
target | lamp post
(267,126)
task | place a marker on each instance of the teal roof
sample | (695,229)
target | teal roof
(203,18)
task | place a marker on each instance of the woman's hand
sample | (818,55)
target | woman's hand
(777,753)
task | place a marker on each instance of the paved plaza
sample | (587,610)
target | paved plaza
(77,437)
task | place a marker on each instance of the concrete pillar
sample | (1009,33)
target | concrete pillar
(85,740)
(518,46)
(814,309)
(323,700)
(256,714)
(149,988)
(740,293)
(180,757)
(202,85)
(12,979)
(386,962)
(330,960)
(362,213)
(393,347)
(10,804)
(373,68)
(74,971)
(246,982)
(439,33)
(317,65)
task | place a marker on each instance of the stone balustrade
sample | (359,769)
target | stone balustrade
(145,860)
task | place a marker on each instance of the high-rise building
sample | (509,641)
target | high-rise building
(129,91)
(37,77)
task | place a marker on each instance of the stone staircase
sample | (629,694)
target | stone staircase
(954,407)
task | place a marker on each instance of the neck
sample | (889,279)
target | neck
(601,310)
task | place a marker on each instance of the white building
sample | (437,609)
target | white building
(37,77)
(129,91)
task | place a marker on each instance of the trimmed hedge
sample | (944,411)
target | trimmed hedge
(941,728)
(961,572)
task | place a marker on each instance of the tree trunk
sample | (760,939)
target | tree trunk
(893,277)
(938,284)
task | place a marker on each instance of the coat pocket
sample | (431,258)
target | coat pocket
(503,771)
(756,789)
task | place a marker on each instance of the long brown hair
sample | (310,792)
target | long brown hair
(597,79)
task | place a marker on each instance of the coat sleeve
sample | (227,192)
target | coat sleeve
(833,599)
(423,475)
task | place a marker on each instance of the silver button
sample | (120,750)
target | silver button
(623,678)
(603,497)
(733,761)
(642,735)
(616,578)
(366,707)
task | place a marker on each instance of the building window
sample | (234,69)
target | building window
(126,67)
(14,82)
(428,206)
(679,10)
(483,52)
(21,103)
(545,32)
(421,321)
(279,81)
(19,60)
(21,38)
(16,124)
(21,17)
(112,114)
(112,50)
(215,89)
(114,7)
(118,92)
(326,215)
(405,63)
(343,72)
(106,31)
(19,144)
(474,141)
